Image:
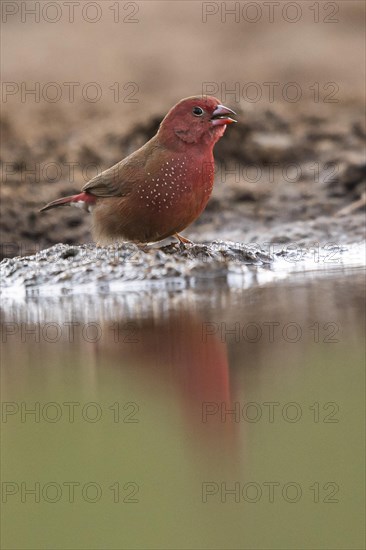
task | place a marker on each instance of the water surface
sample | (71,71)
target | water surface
(213,417)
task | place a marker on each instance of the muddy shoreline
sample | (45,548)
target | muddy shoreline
(73,269)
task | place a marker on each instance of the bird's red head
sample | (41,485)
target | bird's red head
(197,120)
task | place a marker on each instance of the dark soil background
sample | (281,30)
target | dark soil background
(288,171)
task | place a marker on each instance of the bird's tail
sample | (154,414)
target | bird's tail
(80,198)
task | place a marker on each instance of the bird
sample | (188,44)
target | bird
(159,190)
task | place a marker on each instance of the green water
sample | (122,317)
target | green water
(210,419)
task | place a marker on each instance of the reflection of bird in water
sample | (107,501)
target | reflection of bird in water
(173,356)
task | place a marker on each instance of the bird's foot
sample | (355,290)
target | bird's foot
(350,208)
(182,241)
(143,247)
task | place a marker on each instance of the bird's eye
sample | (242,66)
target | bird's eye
(197,111)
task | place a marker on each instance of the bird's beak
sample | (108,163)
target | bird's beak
(220,116)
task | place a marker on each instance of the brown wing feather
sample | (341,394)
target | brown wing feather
(119,180)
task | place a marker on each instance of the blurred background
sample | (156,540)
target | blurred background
(84,86)
(86,83)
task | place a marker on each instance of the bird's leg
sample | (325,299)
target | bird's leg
(182,240)
(356,205)
(143,247)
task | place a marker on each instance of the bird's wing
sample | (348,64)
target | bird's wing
(119,180)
